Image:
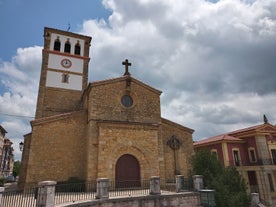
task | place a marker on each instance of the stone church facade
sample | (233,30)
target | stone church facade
(111,128)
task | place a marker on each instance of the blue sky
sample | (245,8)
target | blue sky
(22,21)
(214,61)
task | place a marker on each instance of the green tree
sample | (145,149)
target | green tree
(229,185)
(206,164)
(16,168)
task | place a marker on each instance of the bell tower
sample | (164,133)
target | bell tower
(64,72)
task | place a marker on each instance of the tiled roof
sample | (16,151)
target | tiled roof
(163,120)
(54,117)
(111,80)
(219,138)
(247,129)
(231,135)
(2,129)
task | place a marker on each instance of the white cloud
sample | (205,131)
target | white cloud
(21,74)
(16,128)
(19,79)
(210,60)
(213,60)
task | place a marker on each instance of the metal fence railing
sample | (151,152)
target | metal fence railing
(135,188)
(239,163)
(71,192)
(129,188)
(19,198)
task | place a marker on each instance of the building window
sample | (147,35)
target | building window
(252,178)
(214,152)
(252,155)
(236,157)
(127,101)
(57,44)
(270,182)
(65,78)
(67,46)
(77,48)
(273,155)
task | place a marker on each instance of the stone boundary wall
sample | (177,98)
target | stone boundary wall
(185,199)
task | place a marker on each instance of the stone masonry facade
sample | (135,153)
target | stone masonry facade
(86,140)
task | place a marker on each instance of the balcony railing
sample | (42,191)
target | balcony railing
(256,163)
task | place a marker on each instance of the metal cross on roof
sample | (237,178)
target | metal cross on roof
(126,64)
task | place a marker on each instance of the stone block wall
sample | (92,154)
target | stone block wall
(116,139)
(105,102)
(184,153)
(57,148)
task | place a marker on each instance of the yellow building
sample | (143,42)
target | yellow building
(111,128)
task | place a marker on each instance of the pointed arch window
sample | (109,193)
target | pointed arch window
(67,46)
(77,48)
(65,78)
(57,44)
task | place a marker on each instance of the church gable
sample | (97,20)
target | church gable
(268,128)
(123,99)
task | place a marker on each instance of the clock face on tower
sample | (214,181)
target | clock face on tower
(66,63)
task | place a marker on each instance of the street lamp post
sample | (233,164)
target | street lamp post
(21,146)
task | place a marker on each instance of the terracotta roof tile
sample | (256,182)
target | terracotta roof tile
(222,137)
(230,136)
(246,129)
(54,117)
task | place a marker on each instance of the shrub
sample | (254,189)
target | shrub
(2,181)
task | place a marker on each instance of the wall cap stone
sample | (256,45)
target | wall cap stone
(47,183)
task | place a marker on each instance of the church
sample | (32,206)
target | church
(105,129)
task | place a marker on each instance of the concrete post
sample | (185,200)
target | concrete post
(46,194)
(155,185)
(198,182)
(102,188)
(255,199)
(2,189)
(179,183)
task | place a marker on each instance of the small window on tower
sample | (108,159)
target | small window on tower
(65,78)
(67,46)
(57,44)
(77,48)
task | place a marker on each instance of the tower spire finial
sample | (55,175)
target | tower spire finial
(126,64)
(265,119)
(69,27)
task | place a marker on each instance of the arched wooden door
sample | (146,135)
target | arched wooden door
(127,172)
